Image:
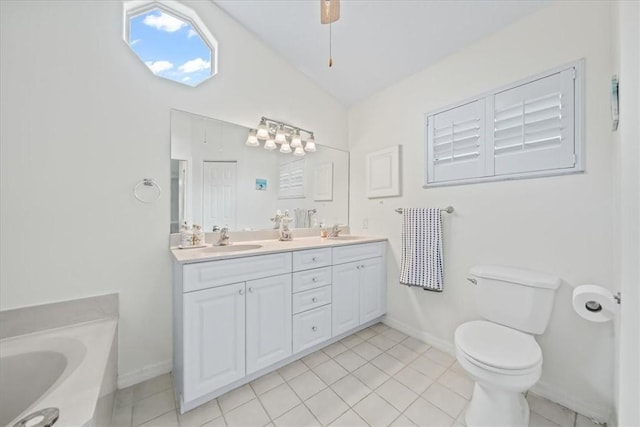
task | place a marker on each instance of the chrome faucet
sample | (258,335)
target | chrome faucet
(224,237)
(335,231)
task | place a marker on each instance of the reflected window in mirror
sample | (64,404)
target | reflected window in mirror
(171,40)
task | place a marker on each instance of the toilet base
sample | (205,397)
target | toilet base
(491,407)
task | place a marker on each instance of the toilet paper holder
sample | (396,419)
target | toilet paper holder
(595,306)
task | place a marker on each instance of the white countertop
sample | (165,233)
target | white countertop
(187,256)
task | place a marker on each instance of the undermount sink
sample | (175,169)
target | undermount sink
(231,248)
(346,237)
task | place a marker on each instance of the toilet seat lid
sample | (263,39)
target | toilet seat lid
(497,345)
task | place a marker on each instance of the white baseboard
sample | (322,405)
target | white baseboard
(143,374)
(600,412)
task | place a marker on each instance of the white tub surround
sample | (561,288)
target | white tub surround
(240,315)
(78,377)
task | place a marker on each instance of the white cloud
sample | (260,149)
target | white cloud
(186,79)
(132,42)
(192,33)
(164,22)
(194,65)
(159,66)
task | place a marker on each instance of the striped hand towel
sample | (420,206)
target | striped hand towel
(421,263)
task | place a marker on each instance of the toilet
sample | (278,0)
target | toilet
(500,352)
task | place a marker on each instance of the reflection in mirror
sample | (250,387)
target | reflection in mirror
(218,181)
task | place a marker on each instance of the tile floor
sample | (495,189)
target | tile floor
(376,377)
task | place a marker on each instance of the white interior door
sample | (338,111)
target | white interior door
(219,186)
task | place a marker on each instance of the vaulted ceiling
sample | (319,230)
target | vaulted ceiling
(376,42)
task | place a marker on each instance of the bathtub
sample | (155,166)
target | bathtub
(72,368)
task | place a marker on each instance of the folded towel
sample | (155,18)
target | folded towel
(421,263)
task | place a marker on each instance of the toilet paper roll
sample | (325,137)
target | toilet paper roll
(594,303)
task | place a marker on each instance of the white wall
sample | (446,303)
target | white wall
(626,191)
(83,121)
(561,225)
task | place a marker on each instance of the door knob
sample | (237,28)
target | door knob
(314,328)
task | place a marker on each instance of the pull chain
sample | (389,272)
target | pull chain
(330,56)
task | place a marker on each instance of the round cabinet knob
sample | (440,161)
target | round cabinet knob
(241,291)
(314,328)
(314,259)
(358,267)
(314,299)
(315,279)
(251,290)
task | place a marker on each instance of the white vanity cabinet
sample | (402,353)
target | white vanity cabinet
(359,285)
(236,319)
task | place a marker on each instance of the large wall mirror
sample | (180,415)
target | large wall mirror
(219,181)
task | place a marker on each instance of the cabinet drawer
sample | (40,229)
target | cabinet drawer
(217,273)
(344,254)
(311,279)
(307,300)
(311,327)
(312,258)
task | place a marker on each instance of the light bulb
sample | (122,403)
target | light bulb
(299,152)
(310,146)
(280,136)
(263,130)
(295,140)
(252,140)
(285,148)
(270,144)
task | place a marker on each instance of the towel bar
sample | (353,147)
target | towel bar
(448,209)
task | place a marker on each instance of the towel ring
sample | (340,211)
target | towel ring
(147,182)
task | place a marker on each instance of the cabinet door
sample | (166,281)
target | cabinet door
(268,321)
(345,299)
(214,341)
(373,290)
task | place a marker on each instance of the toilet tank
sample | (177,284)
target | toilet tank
(514,297)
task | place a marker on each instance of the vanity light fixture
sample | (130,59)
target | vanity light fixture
(252,139)
(289,137)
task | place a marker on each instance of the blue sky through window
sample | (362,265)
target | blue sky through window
(170,47)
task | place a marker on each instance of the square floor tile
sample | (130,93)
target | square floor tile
(124,397)
(350,360)
(444,399)
(403,421)
(365,334)
(218,422)
(397,394)
(279,400)
(170,419)
(307,384)
(457,368)
(458,383)
(379,328)
(292,370)
(387,364)
(376,411)
(330,371)
(440,357)
(366,350)
(371,376)
(266,382)
(122,416)
(350,389)
(382,342)
(250,414)
(349,419)
(235,398)
(416,345)
(550,410)
(425,414)
(536,420)
(153,406)
(395,335)
(200,415)
(300,416)
(428,367)
(335,349)
(416,381)
(152,386)
(314,359)
(351,341)
(402,353)
(326,406)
